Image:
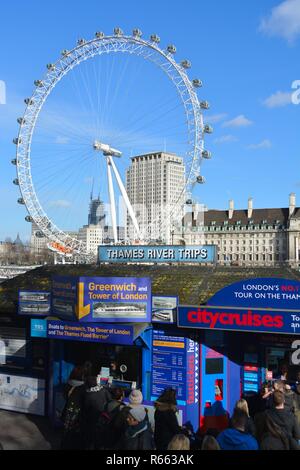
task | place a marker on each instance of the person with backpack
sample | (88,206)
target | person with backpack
(95,400)
(112,422)
(71,417)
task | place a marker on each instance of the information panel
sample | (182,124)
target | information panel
(175,365)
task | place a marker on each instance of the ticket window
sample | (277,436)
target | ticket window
(101,356)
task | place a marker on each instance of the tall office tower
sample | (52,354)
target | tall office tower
(96,213)
(155,187)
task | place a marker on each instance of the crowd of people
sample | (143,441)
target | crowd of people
(96,417)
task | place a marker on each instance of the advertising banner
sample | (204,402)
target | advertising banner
(268,305)
(239,319)
(64,297)
(267,293)
(102,300)
(22,394)
(110,334)
(34,303)
(164,309)
(157,254)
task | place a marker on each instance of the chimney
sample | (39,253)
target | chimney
(231,208)
(250,207)
(292,205)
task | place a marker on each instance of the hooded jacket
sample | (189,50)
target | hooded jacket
(166,424)
(233,439)
(286,421)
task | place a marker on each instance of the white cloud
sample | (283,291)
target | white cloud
(60,204)
(216,118)
(265,144)
(278,99)
(284,21)
(225,139)
(239,121)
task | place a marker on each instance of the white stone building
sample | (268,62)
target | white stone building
(249,237)
(154,184)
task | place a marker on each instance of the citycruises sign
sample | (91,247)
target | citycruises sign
(264,305)
(157,254)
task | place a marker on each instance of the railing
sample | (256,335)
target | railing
(9,272)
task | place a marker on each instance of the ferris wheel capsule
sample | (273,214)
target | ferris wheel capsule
(201,179)
(155,38)
(39,83)
(51,67)
(14,161)
(65,53)
(21,121)
(171,49)
(21,201)
(29,219)
(204,105)
(206,154)
(137,33)
(99,35)
(17,141)
(81,42)
(16,182)
(208,129)
(197,83)
(28,101)
(186,64)
(118,32)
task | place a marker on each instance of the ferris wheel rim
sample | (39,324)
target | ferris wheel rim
(61,68)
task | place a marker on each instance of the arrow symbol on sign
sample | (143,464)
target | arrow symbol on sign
(82,310)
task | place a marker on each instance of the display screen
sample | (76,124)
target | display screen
(214,366)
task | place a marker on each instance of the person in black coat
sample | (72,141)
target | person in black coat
(165,417)
(95,400)
(72,413)
(273,438)
(138,435)
(285,419)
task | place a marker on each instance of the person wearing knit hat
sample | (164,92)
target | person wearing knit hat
(138,413)
(138,435)
(135,398)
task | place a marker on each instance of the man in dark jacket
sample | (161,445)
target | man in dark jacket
(285,419)
(235,438)
(94,402)
(138,435)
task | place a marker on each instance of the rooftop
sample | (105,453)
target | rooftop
(193,284)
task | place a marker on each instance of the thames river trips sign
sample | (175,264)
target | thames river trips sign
(157,254)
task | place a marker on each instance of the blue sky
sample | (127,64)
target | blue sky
(246,53)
